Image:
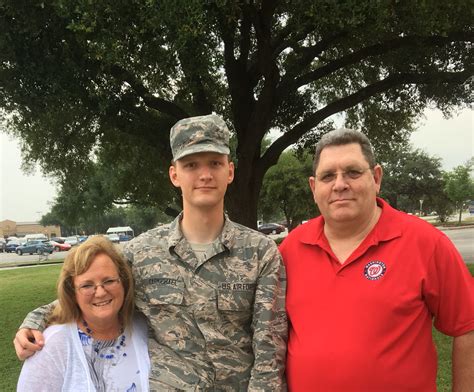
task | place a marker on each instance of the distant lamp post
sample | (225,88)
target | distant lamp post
(421,206)
(39,216)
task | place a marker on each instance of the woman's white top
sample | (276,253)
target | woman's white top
(70,361)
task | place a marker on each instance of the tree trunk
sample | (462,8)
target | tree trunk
(242,195)
(460,214)
(246,216)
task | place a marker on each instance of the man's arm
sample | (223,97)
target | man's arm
(463,363)
(29,338)
(270,326)
(449,295)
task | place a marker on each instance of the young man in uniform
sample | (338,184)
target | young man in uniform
(211,289)
(365,282)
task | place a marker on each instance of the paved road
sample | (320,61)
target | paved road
(464,241)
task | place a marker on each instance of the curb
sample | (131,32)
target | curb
(445,228)
(29,264)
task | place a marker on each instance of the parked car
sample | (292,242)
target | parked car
(124,237)
(35,246)
(113,237)
(58,239)
(11,246)
(3,244)
(271,228)
(82,238)
(72,240)
(60,247)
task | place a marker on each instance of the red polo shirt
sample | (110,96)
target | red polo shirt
(366,325)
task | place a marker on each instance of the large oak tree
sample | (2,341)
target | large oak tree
(93,86)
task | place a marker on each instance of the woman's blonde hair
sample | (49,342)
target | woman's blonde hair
(76,263)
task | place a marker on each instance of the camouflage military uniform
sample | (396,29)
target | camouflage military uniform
(218,325)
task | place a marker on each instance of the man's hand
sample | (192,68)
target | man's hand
(27,342)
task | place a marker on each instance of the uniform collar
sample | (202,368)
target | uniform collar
(180,245)
(175,234)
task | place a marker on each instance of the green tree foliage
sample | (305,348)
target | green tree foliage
(139,218)
(88,83)
(286,192)
(82,199)
(460,186)
(142,219)
(411,175)
(443,206)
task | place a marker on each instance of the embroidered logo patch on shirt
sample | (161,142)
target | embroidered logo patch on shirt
(374,270)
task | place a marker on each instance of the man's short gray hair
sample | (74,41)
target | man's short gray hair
(341,137)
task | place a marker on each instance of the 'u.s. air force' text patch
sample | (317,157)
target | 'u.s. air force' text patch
(374,270)
(236,286)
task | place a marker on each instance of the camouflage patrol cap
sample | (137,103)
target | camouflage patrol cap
(199,134)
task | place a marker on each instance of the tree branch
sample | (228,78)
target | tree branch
(150,100)
(267,67)
(308,54)
(238,77)
(290,84)
(245,26)
(267,11)
(281,41)
(262,24)
(292,136)
(200,98)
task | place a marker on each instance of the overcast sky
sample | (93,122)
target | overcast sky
(27,197)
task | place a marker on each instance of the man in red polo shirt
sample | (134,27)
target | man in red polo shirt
(365,282)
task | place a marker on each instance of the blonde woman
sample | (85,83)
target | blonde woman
(92,343)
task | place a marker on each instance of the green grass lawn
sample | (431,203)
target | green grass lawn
(24,289)
(21,290)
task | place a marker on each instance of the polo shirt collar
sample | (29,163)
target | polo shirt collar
(388,226)
(384,230)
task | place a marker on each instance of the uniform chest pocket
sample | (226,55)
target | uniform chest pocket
(237,301)
(165,291)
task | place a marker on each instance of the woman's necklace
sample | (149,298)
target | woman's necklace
(107,349)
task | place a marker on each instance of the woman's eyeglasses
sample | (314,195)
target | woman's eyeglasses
(89,289)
